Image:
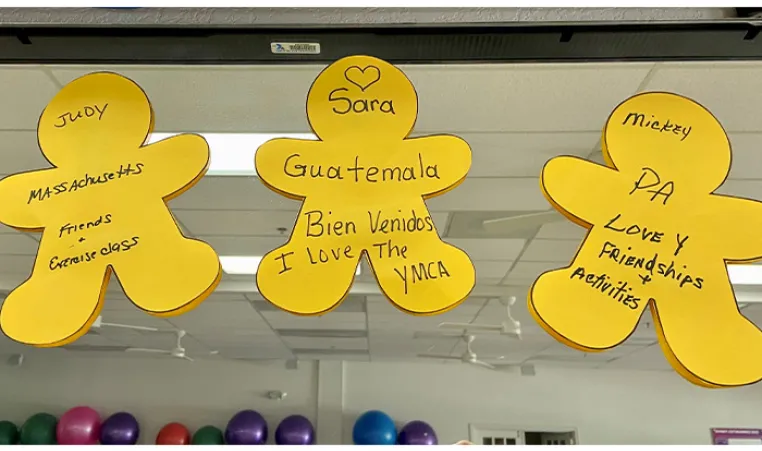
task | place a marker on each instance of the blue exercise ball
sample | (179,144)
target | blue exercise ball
(374,428)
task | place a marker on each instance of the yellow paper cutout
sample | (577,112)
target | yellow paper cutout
(655,225)
(102,208)
(363,186)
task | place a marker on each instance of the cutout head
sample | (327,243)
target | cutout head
(361,97)
(92,118)
(671,134)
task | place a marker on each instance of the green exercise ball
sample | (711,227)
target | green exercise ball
(208,435)
(9,433)
(39,429)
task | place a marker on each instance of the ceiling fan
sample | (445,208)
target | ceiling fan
(468,357)
(177,352)
(511,327)
(528,221)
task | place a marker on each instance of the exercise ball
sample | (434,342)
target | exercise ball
(247,427)
(208,435)
(173,434)
(79,426)
(39,429)
(120,428)
(295,430)
(9,433)
(374,428)
(417,433)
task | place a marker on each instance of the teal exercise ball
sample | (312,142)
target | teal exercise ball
(374,428)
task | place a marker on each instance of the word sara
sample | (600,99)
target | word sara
(345,105)
(86,112)
(57,262)
(293,167)
(41,194)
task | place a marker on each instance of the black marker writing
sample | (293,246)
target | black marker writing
(421,272)
(86,112)
(665,126)
(665,190)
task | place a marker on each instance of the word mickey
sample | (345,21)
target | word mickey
(665,126)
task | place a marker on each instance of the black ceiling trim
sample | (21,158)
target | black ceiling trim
(462,43)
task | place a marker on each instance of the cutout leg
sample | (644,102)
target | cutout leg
(420,273)
(580,316)
(172,281)
(308,275)
(61,305)
(709,338)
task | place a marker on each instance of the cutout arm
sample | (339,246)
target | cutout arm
(176,163)
(581,190)
(448,155)
(737,225)
(23,198)
(282,163)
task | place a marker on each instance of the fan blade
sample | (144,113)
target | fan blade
(149,351)
(471,326)
(436,334)
(522,222)
(482,364)
(439,356)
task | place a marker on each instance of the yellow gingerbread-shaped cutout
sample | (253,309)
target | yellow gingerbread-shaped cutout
(658,237)
(102,208)
(363,185)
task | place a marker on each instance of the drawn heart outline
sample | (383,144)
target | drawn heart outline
(357,76)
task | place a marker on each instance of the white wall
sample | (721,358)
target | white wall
(157,391)
(606,407)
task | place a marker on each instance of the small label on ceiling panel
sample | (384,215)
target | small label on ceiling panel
(295,48)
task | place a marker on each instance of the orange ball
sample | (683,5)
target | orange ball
(173,434)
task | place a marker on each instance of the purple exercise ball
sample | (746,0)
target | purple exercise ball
(295,430)
(417,433)
(120,429)
(247,427)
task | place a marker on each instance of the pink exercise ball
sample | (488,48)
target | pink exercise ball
(79,426)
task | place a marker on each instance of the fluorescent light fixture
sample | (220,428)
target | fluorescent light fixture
(745,274)
(247,265)
(233,153)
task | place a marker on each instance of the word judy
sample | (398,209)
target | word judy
(86,112)
(41,194)
(292,167)
(57,262)
(639,120)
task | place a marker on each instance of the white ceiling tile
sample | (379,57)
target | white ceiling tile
(491,194)
(18,243)
(750,189)
(521,97)
(19,150)
(326,343)
(489,249)
(540,250)
(220,99)
(523,154)
(233,193)
(747,158)
(244,245)
(728,90)
(329,321)
(562,230)
(231,222)
(491,269)
(532,270)
(649,358)
(32,89)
